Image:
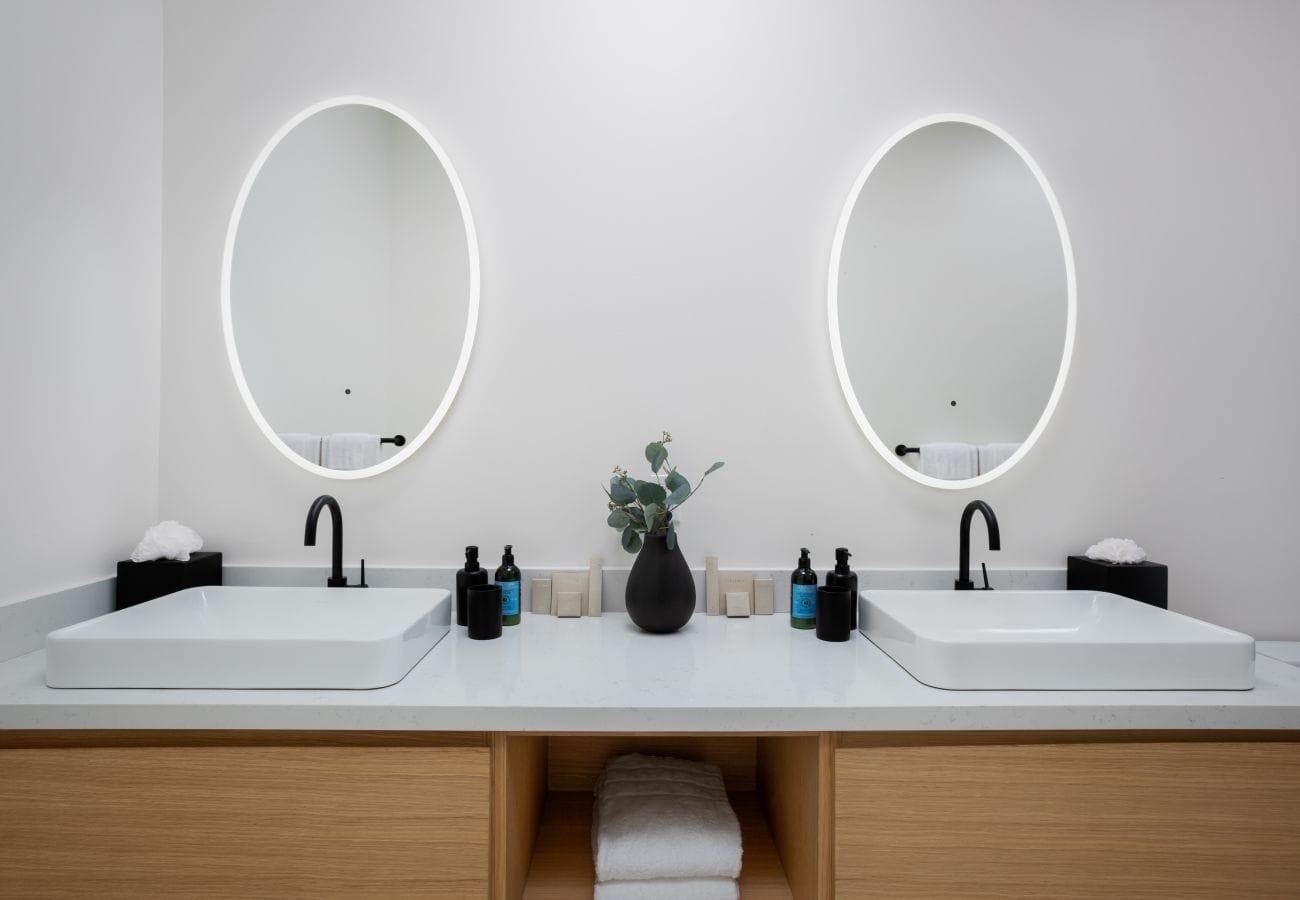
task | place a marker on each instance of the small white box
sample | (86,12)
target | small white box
(541,593)
(737,605)
(568,604)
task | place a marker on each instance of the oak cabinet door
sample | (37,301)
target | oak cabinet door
(245,822)
(1156,819)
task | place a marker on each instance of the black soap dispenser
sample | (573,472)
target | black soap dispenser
(507,577)
(845,578)
(803,594)
(473,573)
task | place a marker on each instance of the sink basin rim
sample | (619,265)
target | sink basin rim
(1175,652)
(253,638)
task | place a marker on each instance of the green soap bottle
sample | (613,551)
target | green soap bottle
(508,577)
(803,594)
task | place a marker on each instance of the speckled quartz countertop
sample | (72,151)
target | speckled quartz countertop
(603,674)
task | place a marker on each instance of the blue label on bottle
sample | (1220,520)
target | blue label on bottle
(509,598)
(803,601)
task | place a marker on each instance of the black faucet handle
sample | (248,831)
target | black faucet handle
(983,568)
(363,576)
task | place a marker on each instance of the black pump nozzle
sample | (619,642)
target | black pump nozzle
(471,558)
(842,555)
(508,557)
(804,561)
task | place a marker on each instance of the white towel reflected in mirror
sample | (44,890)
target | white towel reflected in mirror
(949,461)
(349,450)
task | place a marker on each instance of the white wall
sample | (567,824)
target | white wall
(656,188)
(80,233)
(952,292)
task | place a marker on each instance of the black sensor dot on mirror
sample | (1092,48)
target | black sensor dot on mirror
(952,402)
(349,390)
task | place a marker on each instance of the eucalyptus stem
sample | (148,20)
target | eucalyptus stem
(652,494)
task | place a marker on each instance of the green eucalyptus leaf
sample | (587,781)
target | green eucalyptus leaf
(652,513)
(635,514)
(618,519)
(713,468)
(650,492)
(620,492)
(672,536)
(656,454)
(679,488)
(631,540)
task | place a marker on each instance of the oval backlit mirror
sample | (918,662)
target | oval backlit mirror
(350,287)
(951,301)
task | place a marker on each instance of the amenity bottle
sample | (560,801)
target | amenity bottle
(846,578)
(803,594)
(473,573)
(508,577)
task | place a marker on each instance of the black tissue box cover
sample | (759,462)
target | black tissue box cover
(1145,581)
(138,582)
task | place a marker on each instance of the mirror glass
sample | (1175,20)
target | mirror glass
(952,301)
(350,287)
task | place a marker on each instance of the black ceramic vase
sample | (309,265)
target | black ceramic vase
(660,588)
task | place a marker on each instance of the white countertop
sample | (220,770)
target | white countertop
(603,674)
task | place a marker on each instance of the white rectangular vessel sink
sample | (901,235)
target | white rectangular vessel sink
(1052,640)
(253,637)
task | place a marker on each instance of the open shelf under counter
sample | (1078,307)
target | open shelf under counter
(562,867)
(778,786)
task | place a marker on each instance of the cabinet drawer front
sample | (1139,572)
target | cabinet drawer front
(244,821)
(1153,820)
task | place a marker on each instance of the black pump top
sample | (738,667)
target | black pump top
(471,558)
(508,558)
(804,561)
(842,555)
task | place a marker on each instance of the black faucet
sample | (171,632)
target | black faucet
(963,582)
(337,578)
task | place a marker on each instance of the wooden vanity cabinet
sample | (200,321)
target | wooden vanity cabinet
(1067,815)
(244,815)
(508,816)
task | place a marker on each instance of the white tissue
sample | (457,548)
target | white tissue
(167,540)
(1117,550)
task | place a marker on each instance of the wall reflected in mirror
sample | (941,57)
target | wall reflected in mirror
(952,302)
(351,288)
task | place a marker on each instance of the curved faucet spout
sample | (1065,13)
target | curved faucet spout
(336,578)
(963,582)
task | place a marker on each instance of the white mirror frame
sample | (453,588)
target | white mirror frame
(832,304)
(471,321)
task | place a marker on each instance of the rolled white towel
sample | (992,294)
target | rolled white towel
(661,818)
(167,540)
(993,455)
(349,450)
(669,889)
(1117,550)
(951,462)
